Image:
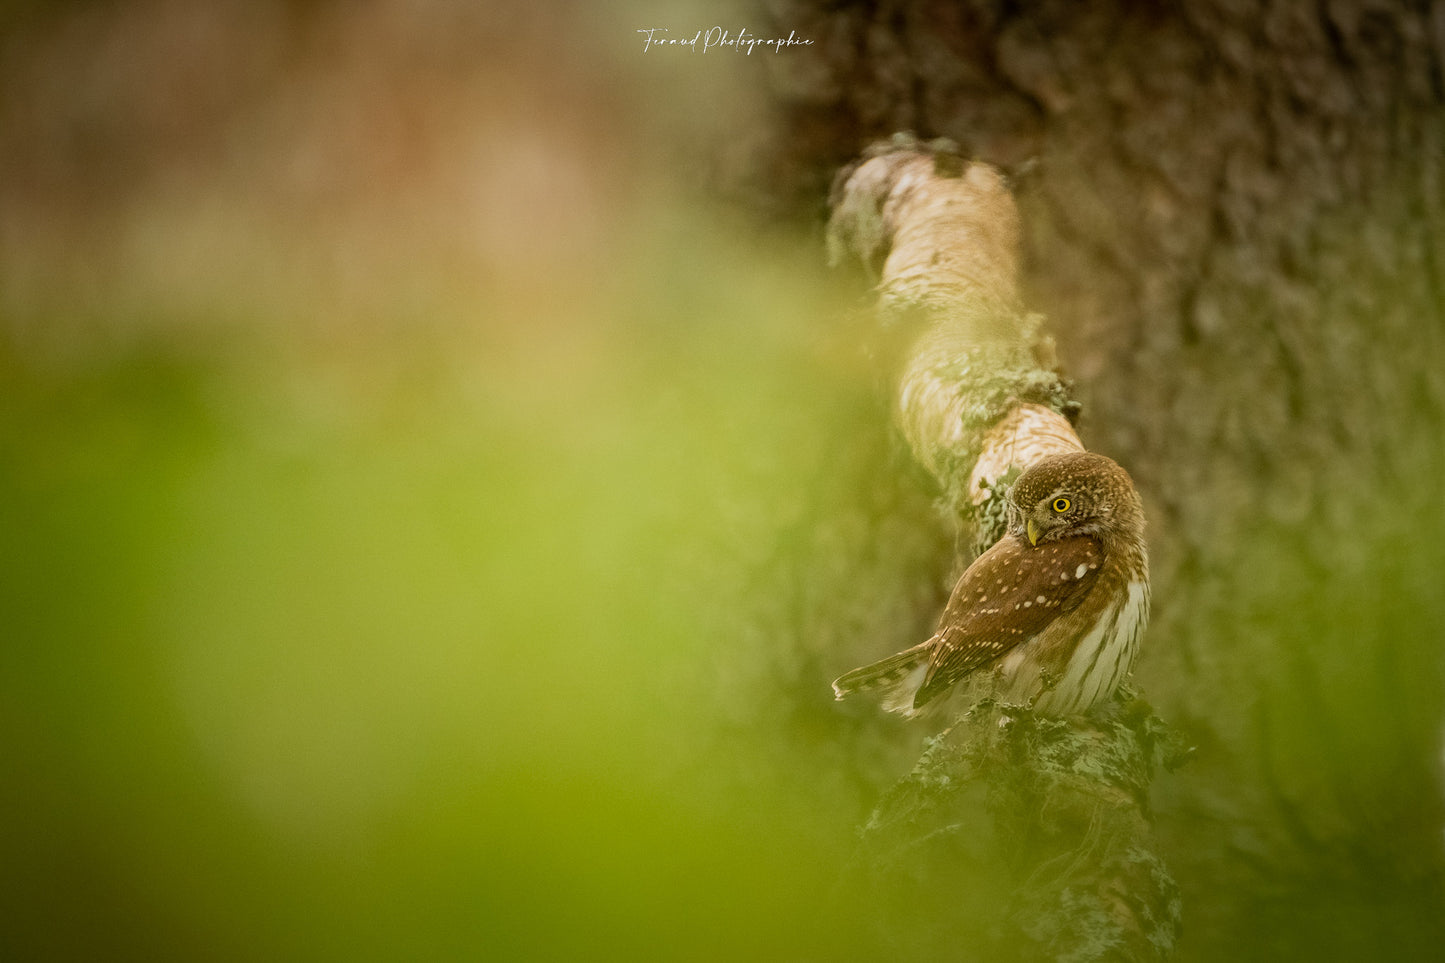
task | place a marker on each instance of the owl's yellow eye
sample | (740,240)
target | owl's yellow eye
(1060,505)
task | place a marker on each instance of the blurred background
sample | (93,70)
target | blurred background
(438,478)
(391,430)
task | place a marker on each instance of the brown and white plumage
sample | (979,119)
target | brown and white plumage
(1053,611)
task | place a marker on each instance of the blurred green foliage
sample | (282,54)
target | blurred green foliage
(404,645)
(392,463)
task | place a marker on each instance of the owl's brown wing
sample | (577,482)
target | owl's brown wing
(1009,595)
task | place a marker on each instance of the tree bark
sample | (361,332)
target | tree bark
(1230,213)
(975,390)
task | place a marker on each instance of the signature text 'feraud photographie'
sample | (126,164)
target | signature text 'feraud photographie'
(717,38)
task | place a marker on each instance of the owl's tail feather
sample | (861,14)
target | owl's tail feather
(896,679)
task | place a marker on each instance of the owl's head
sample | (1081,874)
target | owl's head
(1079,493)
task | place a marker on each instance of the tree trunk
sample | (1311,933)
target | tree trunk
(1229,214)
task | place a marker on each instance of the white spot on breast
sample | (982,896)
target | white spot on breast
(1041,600)
(1026,605)
(1079,572)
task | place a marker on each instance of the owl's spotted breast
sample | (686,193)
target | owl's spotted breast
(1081,661)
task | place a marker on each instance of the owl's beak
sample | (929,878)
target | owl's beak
(1032,528)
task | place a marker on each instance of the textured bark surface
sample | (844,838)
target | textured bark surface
(977,394)
(1230,216)
(1022,838)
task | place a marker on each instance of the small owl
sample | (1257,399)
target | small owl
(1051,614)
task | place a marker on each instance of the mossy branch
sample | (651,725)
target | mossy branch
(1056,810)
